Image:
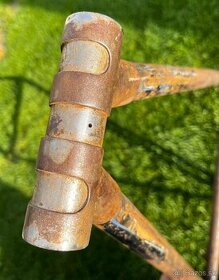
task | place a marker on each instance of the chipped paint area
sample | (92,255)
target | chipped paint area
(142,68)
(147,89)
(55,121)
(82,18)
(157,90)
(39,241)
(184,73)
(161,70)
(164,88)
(55,151)
(32,230)
(57,231)
(145,248)
(77,123)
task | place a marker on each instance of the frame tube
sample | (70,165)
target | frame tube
(134,231)
(137,81)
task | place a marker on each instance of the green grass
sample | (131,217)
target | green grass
(161,151)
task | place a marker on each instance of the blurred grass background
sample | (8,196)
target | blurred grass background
(161,151)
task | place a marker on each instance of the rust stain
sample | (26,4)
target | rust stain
(140,81)
(54,124)
(71,153)
(70,156)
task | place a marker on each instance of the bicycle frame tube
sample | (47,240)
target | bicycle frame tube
(120,219)
(137,81)
(72,190)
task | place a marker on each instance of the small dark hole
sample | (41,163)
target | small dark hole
(90,125)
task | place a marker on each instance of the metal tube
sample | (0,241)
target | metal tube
(133,230)
(67,199)
(60,214)
(213,256)
(140,81)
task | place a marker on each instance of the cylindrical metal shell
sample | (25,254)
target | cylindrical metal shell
(60,214)
(57,231)
(93,90)
(77,123)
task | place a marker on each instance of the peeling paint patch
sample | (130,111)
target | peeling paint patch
(54,122)
(82,18)
(55,150)
(79,19)
(145,248)
(142,67)
(163,89)
(148,90)
(184,73)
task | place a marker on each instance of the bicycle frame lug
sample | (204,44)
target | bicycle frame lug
(60,216)
(73,191)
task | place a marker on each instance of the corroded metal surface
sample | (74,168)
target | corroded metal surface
(84,88)
(107,199)
(148,250)
(60,214)
(57,231)
(84,56)
(213,254)
(141,81)
(134,231)
(72,190)
(77,123)
(60,193)
(70,158)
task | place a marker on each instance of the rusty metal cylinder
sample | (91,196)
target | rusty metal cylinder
(120,219)
(60,214)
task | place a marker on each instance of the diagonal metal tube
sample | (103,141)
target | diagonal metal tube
(138,81)
(120,219)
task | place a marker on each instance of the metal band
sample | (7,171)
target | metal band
(85,56)
(77,123)
(81,88)
(81,100)
(70,158)
(58,231)
(60,193)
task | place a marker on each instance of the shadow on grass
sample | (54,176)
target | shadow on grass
(103,259)
(187,167)
(199,19)
(18,84)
